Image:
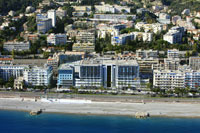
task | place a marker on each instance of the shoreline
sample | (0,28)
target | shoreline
(155,109)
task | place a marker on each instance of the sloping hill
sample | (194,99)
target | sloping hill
(16,5)
(178,6)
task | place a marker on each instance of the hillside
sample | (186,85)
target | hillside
(178,6)
(16,5)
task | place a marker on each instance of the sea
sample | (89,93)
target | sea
(22,122)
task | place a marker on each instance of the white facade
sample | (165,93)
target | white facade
(123,38)
(52,15)
(167,79)
(146,53)
(17,46)
(174,35)
(38,76)
(57,39)
(155,28)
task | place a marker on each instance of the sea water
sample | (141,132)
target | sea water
(22,122)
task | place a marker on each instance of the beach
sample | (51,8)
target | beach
(75,106)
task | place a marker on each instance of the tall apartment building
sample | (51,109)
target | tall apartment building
(174,35)
(52,15)
(65,77)
(38,76)
(194,63)
(57,39)
(105,72)
(17,46)
(7,71)
(44,25)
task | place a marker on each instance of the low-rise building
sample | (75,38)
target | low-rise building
(19,83)
(113,17)
(6,60)
(83,47)
(155,28)
(124,38)
(16,46)
(147,53)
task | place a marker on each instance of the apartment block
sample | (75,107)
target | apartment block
(44,25)
(8,71)
(113,17)
(194,63)
(38,76)
(85,36)
(57,39)
(171,63)
(174,35)
(83,47)
(17,46)
(147,53)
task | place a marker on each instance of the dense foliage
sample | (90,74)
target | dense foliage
(16,5)
(193,5)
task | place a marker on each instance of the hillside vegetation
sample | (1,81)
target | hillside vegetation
(16,5)
(178,6)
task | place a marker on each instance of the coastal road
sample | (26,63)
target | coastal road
(101,98)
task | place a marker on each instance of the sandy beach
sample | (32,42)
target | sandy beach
(164,109)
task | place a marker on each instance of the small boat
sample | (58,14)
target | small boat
(36,112)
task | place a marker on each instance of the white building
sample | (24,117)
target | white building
(57,39)
(164,18)
(38,76)
(52,15)
(182,78)
(147,53)
(17,46)
(155,28)
(123,38)
(174,35)
(168,79)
